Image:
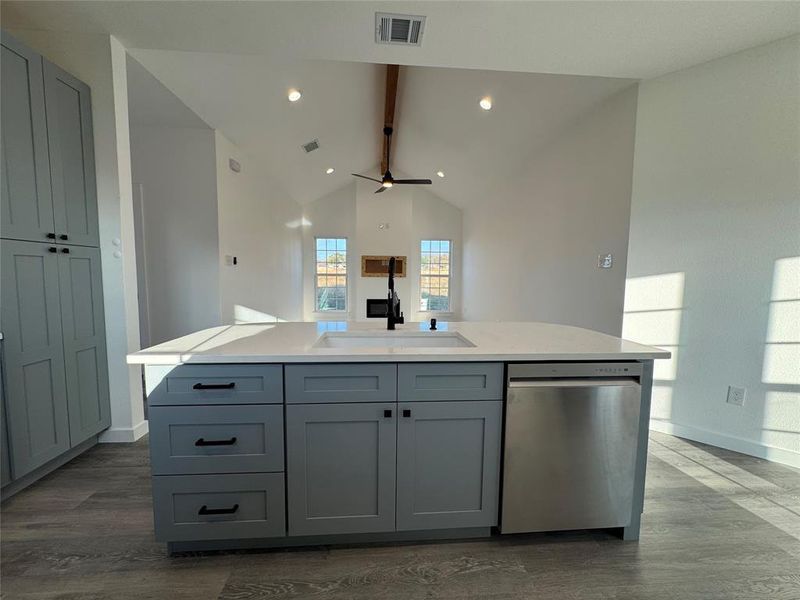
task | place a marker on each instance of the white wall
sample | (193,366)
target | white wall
(530,250)
(258,223)
(714,258)
(392,207)
(99,60)
(355,212)
(176,168)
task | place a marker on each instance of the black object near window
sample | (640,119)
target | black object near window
(376,308)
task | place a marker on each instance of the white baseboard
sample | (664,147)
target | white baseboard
(117,435)
(712,438)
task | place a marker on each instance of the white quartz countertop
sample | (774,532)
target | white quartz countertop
(295,343)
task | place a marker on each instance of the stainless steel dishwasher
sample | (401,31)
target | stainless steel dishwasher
(569,456)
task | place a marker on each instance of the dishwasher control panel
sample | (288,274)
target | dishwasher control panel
(594,369)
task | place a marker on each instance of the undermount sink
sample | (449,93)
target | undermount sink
(394,339)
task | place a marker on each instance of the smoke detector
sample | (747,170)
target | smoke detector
(405,30)
(311,146)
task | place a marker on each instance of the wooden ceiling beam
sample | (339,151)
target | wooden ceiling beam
(392,73)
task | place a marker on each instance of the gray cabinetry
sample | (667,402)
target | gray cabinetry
(26,204)
(36,399)
(341,383)
(83,327)
(69,132)
(449,381)
(5,461)
(218,507)
(448,464)
(341,468)
(56,371)
(216,439)
(214,384)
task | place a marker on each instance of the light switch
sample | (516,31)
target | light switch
(605,261)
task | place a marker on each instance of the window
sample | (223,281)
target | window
(434,284)
(330,275)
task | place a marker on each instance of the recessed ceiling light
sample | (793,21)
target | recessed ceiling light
(329,170)
(294,95)
(440,173)
(486,103)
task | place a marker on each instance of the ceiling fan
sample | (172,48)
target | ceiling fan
(387,180)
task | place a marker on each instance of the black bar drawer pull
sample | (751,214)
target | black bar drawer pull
(203,442)
(204,510)
(214,386)
(406,412)
(387,413)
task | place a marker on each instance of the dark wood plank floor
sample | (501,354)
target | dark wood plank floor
(718,525)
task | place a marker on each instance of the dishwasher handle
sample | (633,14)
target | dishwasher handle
(528,382)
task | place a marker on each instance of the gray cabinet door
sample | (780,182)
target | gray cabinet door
(84,336)
(69,132)
(27,205)
(448,464)
(341,467)
(36,401)
(5,463)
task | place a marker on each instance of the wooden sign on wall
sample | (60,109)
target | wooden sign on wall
(378,266)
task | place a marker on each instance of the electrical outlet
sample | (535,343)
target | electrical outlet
(605,261)
(736,395)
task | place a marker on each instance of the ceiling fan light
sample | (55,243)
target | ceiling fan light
(486,103)
(387,183)
(294,95)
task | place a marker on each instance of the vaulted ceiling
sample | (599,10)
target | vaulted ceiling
(543,63)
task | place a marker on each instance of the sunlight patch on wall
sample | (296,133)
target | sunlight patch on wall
(245,314)
(653,311)
(782,349)
(781,418)
(661,402)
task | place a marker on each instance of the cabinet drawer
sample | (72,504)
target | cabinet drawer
(312,384)
(216,439)
(450,381)
(214,384)
(217,507)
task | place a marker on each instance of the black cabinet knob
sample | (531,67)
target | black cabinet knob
(51,236)
(387,413)
(52,249)
(63,236)
(65,250)
(406,412)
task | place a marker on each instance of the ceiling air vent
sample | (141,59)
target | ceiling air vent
(398,29)
(311,146)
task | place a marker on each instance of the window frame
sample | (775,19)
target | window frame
(316,275)
(449,277)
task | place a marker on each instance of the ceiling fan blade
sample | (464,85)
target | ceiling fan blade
(380,190)
(413,181)
(365,177)
(392,72)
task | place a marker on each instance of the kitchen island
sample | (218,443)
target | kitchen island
(278,434)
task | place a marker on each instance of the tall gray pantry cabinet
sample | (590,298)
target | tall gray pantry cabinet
(54,371)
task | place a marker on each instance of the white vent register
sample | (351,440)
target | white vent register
(405,30)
